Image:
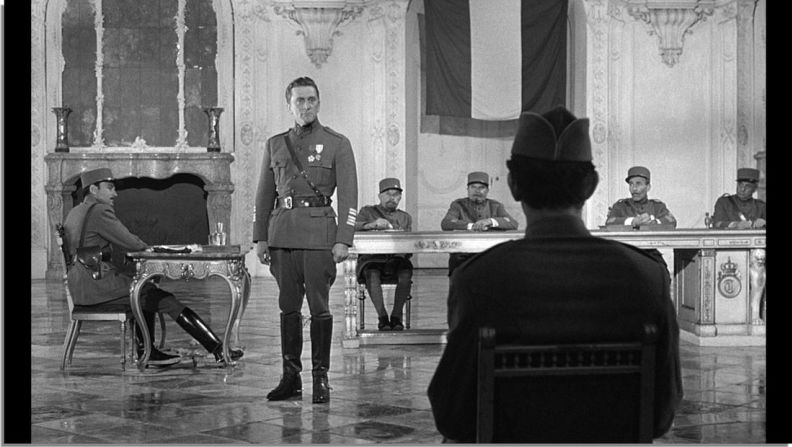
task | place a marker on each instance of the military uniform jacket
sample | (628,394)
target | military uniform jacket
(729,208)
(327,157)
(559,284)
(626,208)
(464,211)
(105,230)
(399,220)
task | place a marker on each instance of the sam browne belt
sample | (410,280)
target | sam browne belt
(290,202)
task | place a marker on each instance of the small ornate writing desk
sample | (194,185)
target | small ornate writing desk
(719,275)
(227,262)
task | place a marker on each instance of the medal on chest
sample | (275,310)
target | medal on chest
(316,153)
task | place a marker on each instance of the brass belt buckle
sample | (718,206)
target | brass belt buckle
(287,202)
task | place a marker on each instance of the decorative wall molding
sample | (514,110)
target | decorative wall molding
(670,20)
(598,15)
(318,23)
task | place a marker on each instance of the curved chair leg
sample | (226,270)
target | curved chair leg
(162,330)
(123,344)
(71,340)
(361,306)
(407,312)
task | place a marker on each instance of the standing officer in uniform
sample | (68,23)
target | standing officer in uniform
(559,284)
(475,213)
(741,211)
(297,234)
(639,210)
(373,269)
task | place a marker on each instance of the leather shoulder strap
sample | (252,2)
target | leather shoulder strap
(299,165)
(85,220)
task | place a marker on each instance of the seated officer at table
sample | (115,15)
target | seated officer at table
(94,222)
(741,211)
(639,210)
(374,269)
(475,213)
(558,284)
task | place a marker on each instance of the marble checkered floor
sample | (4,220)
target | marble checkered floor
(378,392)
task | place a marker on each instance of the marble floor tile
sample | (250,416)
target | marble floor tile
(378,393)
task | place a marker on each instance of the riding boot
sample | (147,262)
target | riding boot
(195,326)
(157,357)
(321,338)
(291,349)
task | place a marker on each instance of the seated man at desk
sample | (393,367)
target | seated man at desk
(638,210)
(373,269)
(94,223)
(475,213)
(557,284)
(741,211)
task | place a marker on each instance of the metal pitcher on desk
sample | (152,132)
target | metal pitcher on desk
(218,237)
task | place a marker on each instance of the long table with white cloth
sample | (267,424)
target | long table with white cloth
(718,279)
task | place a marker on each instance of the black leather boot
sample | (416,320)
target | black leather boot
(195,326)
(157,357)
(321,340)
(291,349)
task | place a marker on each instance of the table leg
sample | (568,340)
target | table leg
(137,311)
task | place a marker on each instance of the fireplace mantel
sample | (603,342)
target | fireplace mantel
(64,169)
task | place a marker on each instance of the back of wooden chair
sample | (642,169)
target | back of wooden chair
(66,261)
(568,393)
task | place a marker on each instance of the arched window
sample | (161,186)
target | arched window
(139,72)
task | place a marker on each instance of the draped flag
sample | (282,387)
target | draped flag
(492,59)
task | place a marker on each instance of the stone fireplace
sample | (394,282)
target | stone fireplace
(212,169)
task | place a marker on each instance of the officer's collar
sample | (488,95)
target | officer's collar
(641,201)
(556,226)
(306,129)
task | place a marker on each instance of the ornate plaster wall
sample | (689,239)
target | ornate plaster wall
(693,123)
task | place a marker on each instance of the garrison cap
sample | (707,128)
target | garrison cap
(748,175)
(478,177)
(88,178)
(638,171)
(389,183)
(556,135)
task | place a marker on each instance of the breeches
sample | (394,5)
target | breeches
(154,299)
(303,273)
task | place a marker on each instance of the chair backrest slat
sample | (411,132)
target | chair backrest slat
(571,393)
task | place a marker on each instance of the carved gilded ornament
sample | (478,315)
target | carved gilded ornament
(670,20)
(318,23)
(729,279)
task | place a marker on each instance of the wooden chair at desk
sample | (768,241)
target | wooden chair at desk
(388,283)
(99,312)
(569,393)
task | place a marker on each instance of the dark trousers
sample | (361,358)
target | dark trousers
(152,299)
(303,273)
(376,275)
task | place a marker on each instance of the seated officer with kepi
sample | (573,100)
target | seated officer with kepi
(374,269)
(741,211)
(94,223)
(475,213)
(639,210)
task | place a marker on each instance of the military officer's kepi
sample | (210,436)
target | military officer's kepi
(748,175)
(556,135)
(88,178)
(478,177)
(637,171)
(389,183)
